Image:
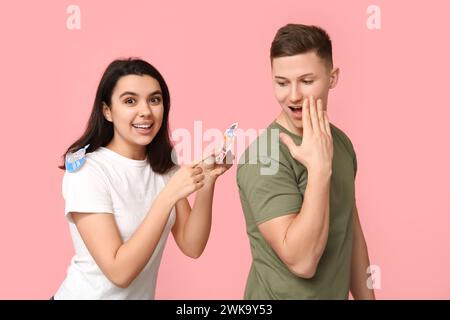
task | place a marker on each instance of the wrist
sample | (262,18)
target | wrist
(209,182)
(166,198)
(322,174)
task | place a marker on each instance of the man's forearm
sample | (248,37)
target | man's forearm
(307,235)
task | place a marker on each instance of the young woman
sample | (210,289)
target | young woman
(127,196)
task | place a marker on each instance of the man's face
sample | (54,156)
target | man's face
(296,78)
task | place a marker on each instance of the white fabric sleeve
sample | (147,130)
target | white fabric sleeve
(86,190)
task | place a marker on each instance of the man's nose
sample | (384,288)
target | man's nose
(295,95)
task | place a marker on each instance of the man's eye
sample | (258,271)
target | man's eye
(130,101)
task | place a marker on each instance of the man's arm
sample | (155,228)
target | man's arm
(299,239)
(360,263)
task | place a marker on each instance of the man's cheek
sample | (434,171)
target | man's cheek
(280,98)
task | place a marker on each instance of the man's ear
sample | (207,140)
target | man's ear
(334,77)
(107,112)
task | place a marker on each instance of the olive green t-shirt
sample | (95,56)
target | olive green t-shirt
(272,184)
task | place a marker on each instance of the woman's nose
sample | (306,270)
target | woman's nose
(145,109)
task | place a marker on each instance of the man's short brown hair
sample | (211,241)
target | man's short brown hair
(293,39)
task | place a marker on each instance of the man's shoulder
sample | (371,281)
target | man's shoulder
(340,135)
(264,151)
(266,160)
(336,131)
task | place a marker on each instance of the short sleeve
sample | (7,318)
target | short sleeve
(348,146)
(269,196)
(86,190)
(353,154)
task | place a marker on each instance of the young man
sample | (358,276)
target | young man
(302,222)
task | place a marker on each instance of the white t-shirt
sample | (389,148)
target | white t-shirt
(111,183)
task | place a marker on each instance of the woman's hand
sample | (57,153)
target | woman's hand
(186,180)
(212,170)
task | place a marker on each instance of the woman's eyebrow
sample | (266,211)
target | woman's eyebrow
(155,93)
(135,94)
(128,92)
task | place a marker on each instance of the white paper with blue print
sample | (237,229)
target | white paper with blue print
(228,136)
(75,160)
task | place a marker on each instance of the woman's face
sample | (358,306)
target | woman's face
(136,112)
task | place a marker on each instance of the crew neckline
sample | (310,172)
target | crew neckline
(123,159)
(275,123)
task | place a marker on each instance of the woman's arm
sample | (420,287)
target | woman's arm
(121,262)
(192,226)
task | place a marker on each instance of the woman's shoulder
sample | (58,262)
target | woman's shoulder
(93,168)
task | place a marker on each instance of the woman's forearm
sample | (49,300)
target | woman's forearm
(198,224)
(134,254)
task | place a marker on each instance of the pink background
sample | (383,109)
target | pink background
(215,57)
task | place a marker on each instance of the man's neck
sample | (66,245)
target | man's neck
(284,121)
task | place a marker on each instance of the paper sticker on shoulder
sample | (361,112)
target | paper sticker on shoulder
(75,160)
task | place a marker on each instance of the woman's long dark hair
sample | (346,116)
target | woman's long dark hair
(99,132)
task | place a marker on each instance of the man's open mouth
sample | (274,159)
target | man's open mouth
(295,109)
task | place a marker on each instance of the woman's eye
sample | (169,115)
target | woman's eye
(282,84)
(155,100)
(129,101)
(308,81)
